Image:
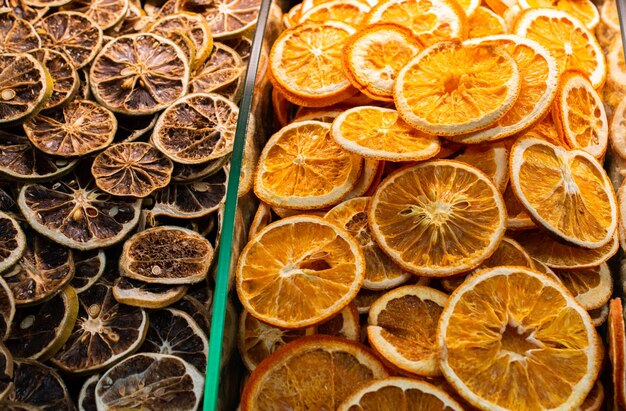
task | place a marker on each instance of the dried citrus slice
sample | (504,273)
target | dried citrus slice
(262,218)
(17,35)
(381,134)
(402,325)
(40,386)
(579,114)
(312,255)
(75,34)
(306,64)
(449,210)
(64,76)
(88,268)
(340,365)
(530,332)
(134,20)
(609,26)
(105,13)
(105,332)
(132,169)
(139,74)
(591,287)
(563,34)
(546,128)
(7,309)
(371,175)
(133,128)
(381,272)
(39,331)
(571,183)
(617,352)
(595,399)
(617,132)
(599,315)
(431,22)
(166,255)
(79,128)
(87,395)
(42,271)
(302,167)
(223,68)
(539,77)
(491,159)
(146,295)
(227,18)
(517,217)
(6,372)
(25,87)
(25,11)
(74,212)
(484,22)
(352,12)
(12,242)
(451,89)
(399,393)
(561,255)
(583,10)
(191,200)
(345,324)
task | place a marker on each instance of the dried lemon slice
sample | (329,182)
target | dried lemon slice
(146,295)
(150,381)
(52,393)
(73,33)
(139,74)
(74,212)
(449,210)
(223,67)
(17,35)
(64,77)
(166,255)
(452,88)
(12,242)
(89,267)
(227,18)
(105,13)
(132,169)
(79,128)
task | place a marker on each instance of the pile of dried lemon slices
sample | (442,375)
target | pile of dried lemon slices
(117,121)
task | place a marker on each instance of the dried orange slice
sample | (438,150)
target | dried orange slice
(547,129)
(25,87)
(371,174)
(571,183)
(583,10)
(166,255)
(17,35)
(402,325)
(591,287)
(313,255)
(139,74)
(306,64)
(64,77)
(374,56)
(381,273)
(80,128)
(105,13)
(341,365)
(567,39)
(617,352)
(352,12)
(12,242)
(491,159)
(399,393)
(538,86)
(381,134)
(227,18)
(131,169)
(484,22)
(431,22)
(72,33)
(579,114)
(599,315)
(262,218)
(449,210)
(529,331)
(561,255)
(617,131)
(595,399)
(517,217)
(453,88)
(302,167)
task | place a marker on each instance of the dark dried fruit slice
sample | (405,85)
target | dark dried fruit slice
(87,395)
(185,173)
(65,79)
(39,385)
(73,33)
(131,128)
(6,372)
(197,310)
(47,3)
(17,35)
(7,309)
(227,18)
(75,213)
(142,294)
(139,74)
(105,332)
(84,89)
(80,128)
(191,200)
(89,267)
(151,382)
(224,67)
(42,271)
(132,169)
(181,40)
(197,128)
(242,45)
(25,87)
(133,21)
(174,332)
(166,255)
(39,331)
(12,242)
(17,406)
(105,13)
(25,11)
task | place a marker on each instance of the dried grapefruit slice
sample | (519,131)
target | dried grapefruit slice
(105,13)
(527,329)
(449,210)
(12,242)
(452,88)
(317,266)
(227,18)
(591,287)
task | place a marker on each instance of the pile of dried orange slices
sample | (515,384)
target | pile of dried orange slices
(117,121)
(435,218)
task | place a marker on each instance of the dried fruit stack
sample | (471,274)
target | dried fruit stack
(117,121)
(435,219)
